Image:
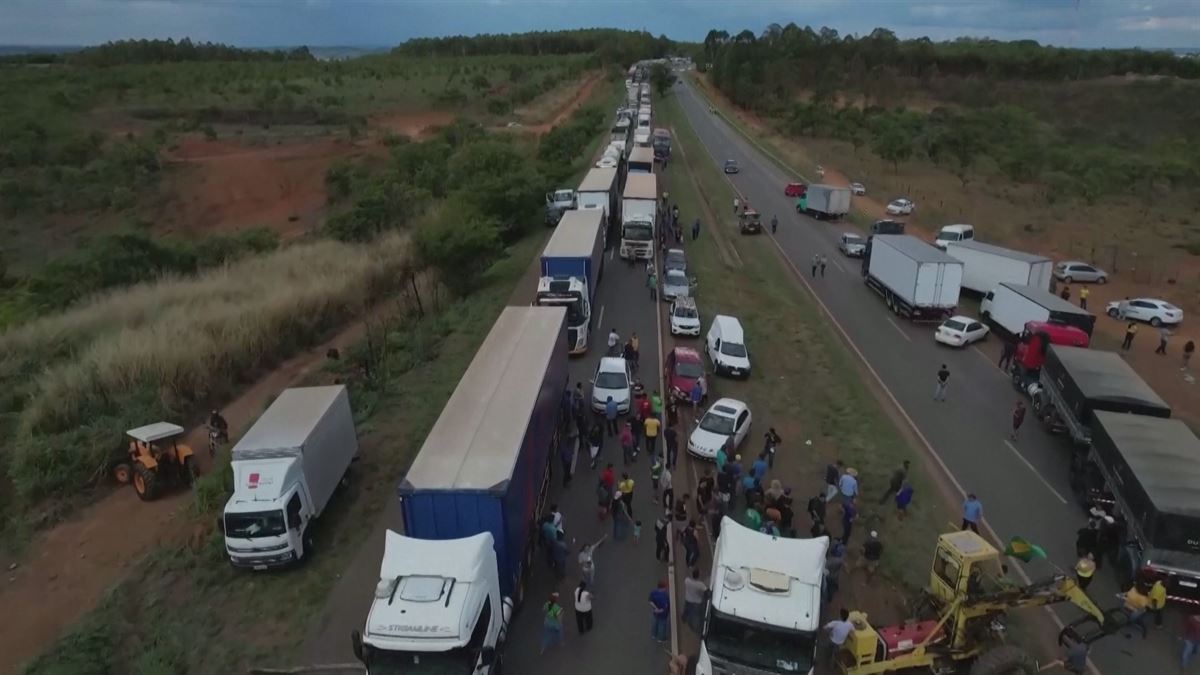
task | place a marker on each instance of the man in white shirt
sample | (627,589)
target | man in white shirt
(587,560)
(693,600)
(614,339)
(583,608)
(839,631)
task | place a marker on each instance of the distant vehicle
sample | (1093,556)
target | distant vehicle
(685,317)
(887,226)
(675,259)
(851,245)
(1072,271)
(683,368)
(675,284)
(731,166)
(612,379)
(858,189)
(724,419)
(900,207)
(1155,312)
(824,201)
(750,222)
(953,233)
(960,331)
(795,190)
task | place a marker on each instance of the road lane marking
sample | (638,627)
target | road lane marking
(1035,471)
(898,329)
(600,319)
(834,262)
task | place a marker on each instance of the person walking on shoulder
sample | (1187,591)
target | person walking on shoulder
(824,262)
(551,623)
(1130,332)
(903,499)
(660,611)
(816,262)
(972,513)
(1163,334)
(774,224)
(939,387)
(1188,348)
(736,204)
(1083,296)
(896,481)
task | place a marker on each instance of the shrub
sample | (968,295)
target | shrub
(460,245)
(499,105)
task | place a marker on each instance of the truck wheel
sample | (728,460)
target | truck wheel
(1005,660)
(122,472)
(145,482)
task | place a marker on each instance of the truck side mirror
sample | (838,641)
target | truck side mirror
(356,644)
(487,656)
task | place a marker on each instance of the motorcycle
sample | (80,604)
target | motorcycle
(216,437)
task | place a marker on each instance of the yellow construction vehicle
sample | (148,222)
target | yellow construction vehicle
(960,619)
(156,456)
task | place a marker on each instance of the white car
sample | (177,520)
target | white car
(685,318)
(960,331)
(612,379)
(1155,312)
(900,207)
(727,417)
(675,284)
(858,189)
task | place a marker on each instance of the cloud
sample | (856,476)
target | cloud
(1157,23)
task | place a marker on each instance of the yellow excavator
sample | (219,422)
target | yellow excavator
(960,619)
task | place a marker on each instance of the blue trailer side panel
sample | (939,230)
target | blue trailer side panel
(454,515)
(566,267)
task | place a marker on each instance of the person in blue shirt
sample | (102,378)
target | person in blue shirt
(660,607)
(696,394)
(759,468)
(972,513)
(610,416)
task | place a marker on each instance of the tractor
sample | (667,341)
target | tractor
(750,222)
(156,456)
(960,619)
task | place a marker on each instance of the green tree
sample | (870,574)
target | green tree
(459,244)
(498,181)
(661,78)
(891,143)
(480,82)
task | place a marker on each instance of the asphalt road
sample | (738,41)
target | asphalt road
(626,572)
(1023,486)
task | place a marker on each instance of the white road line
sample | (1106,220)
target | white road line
(899,329)
(600,319)
(1035,471)
(611,252)
(835,263)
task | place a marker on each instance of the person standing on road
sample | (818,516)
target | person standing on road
(567,450)
(1135,605)
(1188,348)
(583,607)
(595,441)
(972,513)
(610,416)
(1163,334)
(656,471)
(758,469)
(896,481)
(667,481)
(651,432)
(1085,568)
(1018,418)
(736,204)
(696,394)
(771,441)
(652,284)
(587,560)
(849,515)
(1006,355)
(551,623)
(816,262)
(872,551)
(1191,639)
(614,341)
(1083,296)
(774,224)
(943,379)
(696,230)
(662,551)
(1158,600)
(693,600)
(625,487)
(671,441)
(1066,293)
(628,443)
(660,609)
(1130,332)
(691,545)
(824,262)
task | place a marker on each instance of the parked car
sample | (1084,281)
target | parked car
(858,189)
(900,207)
(612,379)
(887,226)
(1073,271)
(851,245)
(724,419)
(726,347)
(960,331)
(795,190)
(675,284)
(685,317)
(675,259)
(1155,312)
(731,166)
(683,368)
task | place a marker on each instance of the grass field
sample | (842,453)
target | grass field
(806,383)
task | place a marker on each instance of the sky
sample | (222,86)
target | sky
(258,23)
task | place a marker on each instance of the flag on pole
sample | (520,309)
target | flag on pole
(1020,548)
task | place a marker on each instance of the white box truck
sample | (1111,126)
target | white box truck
(598,191)
(986,265)
(1008,307)
(764,611)
(639,209)
(285,469)
(825,201)
(916,280)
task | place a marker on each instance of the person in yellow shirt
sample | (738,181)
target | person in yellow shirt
(1135,607)
(1084,570)
(1158,600)
(651,425)
(625,487)
(1083,295)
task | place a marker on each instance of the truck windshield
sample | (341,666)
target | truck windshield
(733,349)
(638,231)
(757,646)
(572,302)
(454,662)
(255,524)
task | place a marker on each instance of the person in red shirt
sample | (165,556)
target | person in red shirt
(607,478)
(1191,639)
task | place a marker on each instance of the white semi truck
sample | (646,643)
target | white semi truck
(764,609)
(639,209)
(572,263)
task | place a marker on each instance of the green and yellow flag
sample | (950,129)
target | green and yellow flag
(1020,548)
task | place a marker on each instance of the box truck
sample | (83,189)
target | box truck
(661,142)
(985,266)
(641,160)
(825,201)
(598,191)
(285,470)
(639,209)
(572,263)
(916,280)
(1008,307)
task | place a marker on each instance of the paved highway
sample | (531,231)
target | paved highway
(1023,486)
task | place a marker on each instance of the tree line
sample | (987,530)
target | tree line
(125,52)
(613,46)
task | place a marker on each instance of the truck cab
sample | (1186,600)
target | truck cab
(1032,344)
(436,609)
(571,293)
(266,520)
(953,233)
(557,203)
(764,609)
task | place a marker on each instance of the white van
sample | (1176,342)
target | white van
(953,233)
(726,347)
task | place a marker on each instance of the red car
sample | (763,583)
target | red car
(795,189)
(684,367)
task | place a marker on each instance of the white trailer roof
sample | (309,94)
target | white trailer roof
(290,419)
(1044,298)
(641,186)
(476,440)
(575,235)
(915,248)
(976,245)
(450,558)
(598,180)
(641,154)
(798,563)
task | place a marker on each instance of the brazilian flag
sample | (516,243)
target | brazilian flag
(1022,549)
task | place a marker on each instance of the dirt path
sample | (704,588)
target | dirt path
(581,96)
(67,569)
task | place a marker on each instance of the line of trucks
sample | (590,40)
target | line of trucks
(1129,456)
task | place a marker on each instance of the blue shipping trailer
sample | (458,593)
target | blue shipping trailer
(485,465)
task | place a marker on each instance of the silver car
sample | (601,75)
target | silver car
(851,245)
(1073,271)
(675,284)
(675,260)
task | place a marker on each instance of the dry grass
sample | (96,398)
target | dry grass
(164,349)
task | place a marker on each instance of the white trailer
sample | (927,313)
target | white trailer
(986,265)
(827,201)
(917,281)
(1008,307)
(285,469)
(639,210)
(599,191)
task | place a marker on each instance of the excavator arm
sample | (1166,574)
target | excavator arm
(1052,591)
